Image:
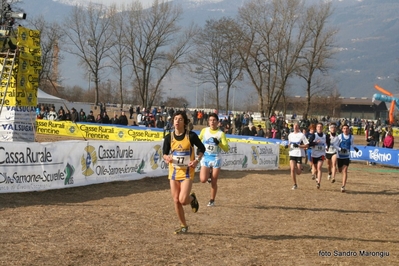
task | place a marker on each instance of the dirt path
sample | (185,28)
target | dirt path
(258,220)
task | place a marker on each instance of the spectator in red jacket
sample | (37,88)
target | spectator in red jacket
(388,140)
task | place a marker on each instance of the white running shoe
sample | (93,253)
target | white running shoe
(329,177)
(211,203)
(343,189)
(294,187)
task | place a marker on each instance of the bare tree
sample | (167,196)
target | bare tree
(334,103)
(178,102)
(156,45)
(73,94)
(318,50)
(89,33)
(50,39)
(118,55)
(272,38)
(217,56)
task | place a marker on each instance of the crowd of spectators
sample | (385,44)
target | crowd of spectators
(276,127)
(49,113)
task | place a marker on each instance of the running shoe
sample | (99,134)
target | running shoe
(329,176)
(210,176)
(313,177)
(194,203)
(294,187)
(318,185)
(182,230)
(333,180)
(343,189)
(211,203)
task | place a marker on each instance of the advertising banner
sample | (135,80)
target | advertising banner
(41,166)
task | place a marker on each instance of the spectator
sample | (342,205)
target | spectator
(52,115)
(123,119)
(82,116)
(388,140)
(246,131)
(168,127)
(68,115)
(372,143)
(90,118)
(260,132)
(115,120)
(237,124)
(253,130)
(151,120)
(105,118)
(160,122)
(61,115)
(42,114)
(74,115)
(131,111)
(99,119)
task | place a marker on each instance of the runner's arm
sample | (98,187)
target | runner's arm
(223,144)
(166,144)
(195,141)
(311,140)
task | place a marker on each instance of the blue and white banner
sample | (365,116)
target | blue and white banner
(376,155)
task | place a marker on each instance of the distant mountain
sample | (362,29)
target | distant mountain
(368,33)
(368,39)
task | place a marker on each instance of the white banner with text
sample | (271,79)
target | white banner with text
(26,166)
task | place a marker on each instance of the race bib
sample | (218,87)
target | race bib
(211,148)
(331,149)
(180,159)
(320,147)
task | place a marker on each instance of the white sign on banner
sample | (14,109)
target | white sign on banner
(17,123)
(17,131)
(18,113)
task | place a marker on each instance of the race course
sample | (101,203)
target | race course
(257,220)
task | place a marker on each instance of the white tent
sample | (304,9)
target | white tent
(48,99)
(45,98)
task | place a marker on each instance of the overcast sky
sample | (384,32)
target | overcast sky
(146,3)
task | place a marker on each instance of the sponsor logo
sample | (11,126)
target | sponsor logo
(381,157)
(255,155)
(141,167)
(72,129)
(155,158)
(9,157)
(245,162)
(23,36)
(88,160)
(24,66)
(69,171)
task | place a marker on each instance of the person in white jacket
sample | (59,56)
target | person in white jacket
(297,142)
